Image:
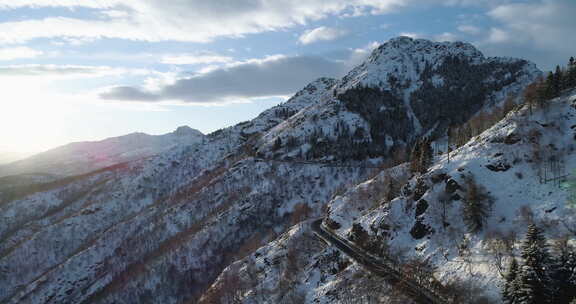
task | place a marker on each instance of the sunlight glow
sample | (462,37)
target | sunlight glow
(31,116)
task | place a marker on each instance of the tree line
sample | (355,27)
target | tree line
(543,89)
(542,277)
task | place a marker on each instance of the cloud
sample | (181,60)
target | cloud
(193,21)
(542,31)
(271,76)
(321,34)
(10,4)
(469,29)
(195,59)
(358,55)
(411,35)
(52,71)
(18,53)
(549,24)
(446,36)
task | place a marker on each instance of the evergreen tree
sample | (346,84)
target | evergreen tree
(534,281)
(508,292)
(547,91)
(557,82)
(564,275)
(529,288)
(571,73)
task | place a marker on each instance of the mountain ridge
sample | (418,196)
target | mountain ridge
(82,157)
(165,227)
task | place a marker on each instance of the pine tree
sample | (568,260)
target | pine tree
(564,274)
(534,281)
(509,292)
(528,288)
(571,73)
(557,82)
(547,90)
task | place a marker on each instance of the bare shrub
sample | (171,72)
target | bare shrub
(500,247)
(477,205)
(467,291)
(300,213)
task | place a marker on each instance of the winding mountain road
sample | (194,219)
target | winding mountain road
(382,268)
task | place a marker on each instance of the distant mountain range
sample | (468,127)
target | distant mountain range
(8,157)
(83,157)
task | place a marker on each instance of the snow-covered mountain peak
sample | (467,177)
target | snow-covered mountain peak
(408,44)
(403,61)
(407,88)
(187,131)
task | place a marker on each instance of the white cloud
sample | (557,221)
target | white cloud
(542,31)
(11,4)
(194,20)
(498,35)
(195,59)
(321,34)
(276,75)
(469,29)
(51,72)
(547,25)
(411,35)
(446,37)
(357,56)
(18,53)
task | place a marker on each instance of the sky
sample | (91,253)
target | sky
(76,70)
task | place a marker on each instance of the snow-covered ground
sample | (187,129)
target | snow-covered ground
(522,163)
(164,226)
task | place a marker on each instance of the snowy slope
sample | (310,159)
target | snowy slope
(515,162)
(83,157)
(162,210)
(164,227)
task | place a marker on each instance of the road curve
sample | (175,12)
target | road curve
(382,268)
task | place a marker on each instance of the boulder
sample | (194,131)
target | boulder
(512,138)
(420,189)
(451,186)
(499,166)
(421,207)
(420,230)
